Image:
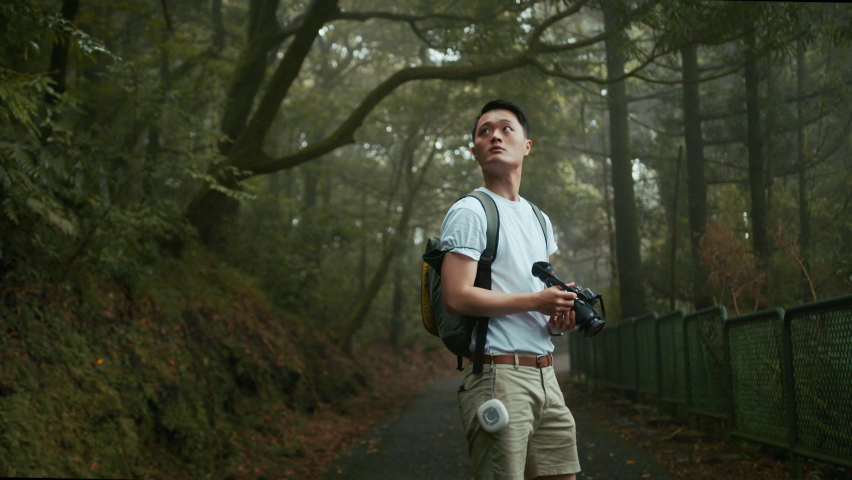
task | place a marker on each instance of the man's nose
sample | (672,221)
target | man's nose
(496,136)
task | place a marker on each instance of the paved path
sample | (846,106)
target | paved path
(424,441)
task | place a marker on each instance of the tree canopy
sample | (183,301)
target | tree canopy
(297,137)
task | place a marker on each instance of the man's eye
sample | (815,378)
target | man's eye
(507,128)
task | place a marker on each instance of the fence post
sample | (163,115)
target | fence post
(726,341)
(790,392)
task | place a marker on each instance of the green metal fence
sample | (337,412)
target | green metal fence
(627,347)
(647,382)
(671,358)
(820,336)
(706,375)
(611,357)
(759,400)
(776,377)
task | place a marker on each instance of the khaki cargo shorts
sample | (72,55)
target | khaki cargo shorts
(540,438)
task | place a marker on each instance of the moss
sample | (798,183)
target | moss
(154,378)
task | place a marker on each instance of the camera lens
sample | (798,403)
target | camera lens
(588,319)
(594,326)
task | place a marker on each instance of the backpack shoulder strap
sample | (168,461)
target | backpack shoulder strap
(492,231)
(483,271)
(541,222)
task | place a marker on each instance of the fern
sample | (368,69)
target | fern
(19,93)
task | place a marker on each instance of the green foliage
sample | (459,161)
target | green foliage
(97,261)
(163,378)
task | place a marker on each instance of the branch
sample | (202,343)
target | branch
(258,162)
(400,17)
(166,14)
(782,238)
(592,78)
(288,69)
(535,38)
(356,319)
(586,42)
(697,80)
(655,130)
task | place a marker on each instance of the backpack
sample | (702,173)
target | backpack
(456,330)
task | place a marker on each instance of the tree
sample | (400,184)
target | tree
(756,161)
(628,257)
(696,183)
(247,129)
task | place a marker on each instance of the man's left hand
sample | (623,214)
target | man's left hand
(561,323)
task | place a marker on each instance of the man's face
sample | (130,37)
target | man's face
(500,141)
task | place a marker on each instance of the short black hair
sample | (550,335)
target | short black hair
(500,104)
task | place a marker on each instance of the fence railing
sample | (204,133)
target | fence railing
(783,378)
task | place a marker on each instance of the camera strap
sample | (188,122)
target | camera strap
(603,309)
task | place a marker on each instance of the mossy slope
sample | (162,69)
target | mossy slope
(156,378)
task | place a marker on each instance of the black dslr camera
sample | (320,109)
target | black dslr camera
(588,320)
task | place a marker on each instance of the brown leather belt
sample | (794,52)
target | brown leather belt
(540,361)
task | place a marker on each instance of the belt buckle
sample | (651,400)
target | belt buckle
(538,360)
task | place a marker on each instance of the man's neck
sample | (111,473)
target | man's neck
(506,187)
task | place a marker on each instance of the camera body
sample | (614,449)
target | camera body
(588,321)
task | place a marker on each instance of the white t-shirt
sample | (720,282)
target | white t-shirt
(519,245)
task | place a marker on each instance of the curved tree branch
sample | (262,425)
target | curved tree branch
(540,47)
(258,162)
(535,38)
(592,78)
(730,71)
(283,78)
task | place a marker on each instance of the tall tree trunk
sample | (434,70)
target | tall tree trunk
(362,254)
(675,219)
(771,128)
(695,180)
(804,208)
(358,316)
(218,25)
(59,55)
(397,322)
(630,280)
(756,162)
(610,228)
(210,209)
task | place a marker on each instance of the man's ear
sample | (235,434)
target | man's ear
(529,146)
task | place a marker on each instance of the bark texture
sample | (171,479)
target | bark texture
(59,55)
(695,181)
(756,160)
(630,281)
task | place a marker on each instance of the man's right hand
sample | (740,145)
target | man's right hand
(555,301)
(462,298)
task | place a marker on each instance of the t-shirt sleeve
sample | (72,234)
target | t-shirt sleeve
(463,231)
(551,241)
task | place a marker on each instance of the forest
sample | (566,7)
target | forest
(210,207)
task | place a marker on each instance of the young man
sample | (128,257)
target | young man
(539,440)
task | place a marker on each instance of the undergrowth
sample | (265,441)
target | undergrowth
(183,373)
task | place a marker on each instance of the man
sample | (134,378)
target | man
(539,440)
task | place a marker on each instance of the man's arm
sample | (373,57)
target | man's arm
(458,273)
